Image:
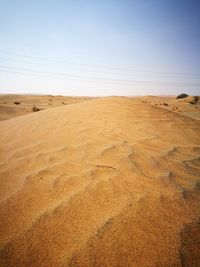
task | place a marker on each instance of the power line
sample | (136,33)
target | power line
(108,68)
(82,69)
(64,78)
(26,72)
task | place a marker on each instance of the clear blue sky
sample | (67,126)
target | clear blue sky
(100,47)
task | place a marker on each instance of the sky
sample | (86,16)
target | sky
(100,47)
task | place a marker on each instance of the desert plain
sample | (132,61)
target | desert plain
(108,181)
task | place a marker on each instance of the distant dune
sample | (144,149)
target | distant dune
(12,106)
(185,106)
(104,182)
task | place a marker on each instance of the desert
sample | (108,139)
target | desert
(107,181)
(100,133)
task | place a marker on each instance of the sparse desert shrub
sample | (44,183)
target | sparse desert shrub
(185,193)
(197,187)
(35,109)
(195,100)
(17,103)
(181,96)
(165,104)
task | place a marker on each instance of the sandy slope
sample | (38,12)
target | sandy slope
(12,106)
(184,106)
(106,182)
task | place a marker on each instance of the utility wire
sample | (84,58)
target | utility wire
(83,69)
(95,66)
(88,78)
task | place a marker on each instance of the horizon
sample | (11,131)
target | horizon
(38,94)
(101,48)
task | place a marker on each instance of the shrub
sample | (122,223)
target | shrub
(194,100)
(35,109)
(182,96)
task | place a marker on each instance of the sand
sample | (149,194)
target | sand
(12,106)
(112,181)
(184,106)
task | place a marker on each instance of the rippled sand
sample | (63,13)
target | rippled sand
(105,182)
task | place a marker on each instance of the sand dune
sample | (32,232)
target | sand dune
(12,106)
(107,182)
(185,106)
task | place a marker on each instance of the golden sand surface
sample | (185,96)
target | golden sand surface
(184,106)
(113,181)
(12,106)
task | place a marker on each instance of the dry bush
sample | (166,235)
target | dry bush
(35,109)
(181,96)
(195,100)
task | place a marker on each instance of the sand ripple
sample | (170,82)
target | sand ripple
(107,182)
